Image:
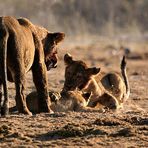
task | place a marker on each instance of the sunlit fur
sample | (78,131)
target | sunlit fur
(111,91)
(67,101)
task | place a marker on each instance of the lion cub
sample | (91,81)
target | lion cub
(66,101)
(111,91)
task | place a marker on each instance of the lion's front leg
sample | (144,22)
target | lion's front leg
(41,83)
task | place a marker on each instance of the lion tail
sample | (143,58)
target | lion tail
(3,65)
(125,78)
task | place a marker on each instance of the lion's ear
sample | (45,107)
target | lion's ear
(58,37)
(68,59)
(93,71)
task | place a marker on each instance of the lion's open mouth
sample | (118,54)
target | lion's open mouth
(52,65)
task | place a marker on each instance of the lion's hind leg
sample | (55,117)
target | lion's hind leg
(20,97)
(108,100)
(0,96)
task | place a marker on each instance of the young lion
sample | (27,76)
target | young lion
(66,101)
(111,91)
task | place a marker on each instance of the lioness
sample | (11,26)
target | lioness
(67,101)
(111,91)
(23,47)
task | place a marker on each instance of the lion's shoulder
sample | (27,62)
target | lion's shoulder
(24,22)
(38,30)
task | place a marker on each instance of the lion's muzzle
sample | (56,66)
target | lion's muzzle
(51,62)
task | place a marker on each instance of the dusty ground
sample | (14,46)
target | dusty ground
(124,128)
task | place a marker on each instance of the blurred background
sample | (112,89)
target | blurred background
(83,17)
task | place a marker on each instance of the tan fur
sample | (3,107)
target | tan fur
(32,100)
(25,46)
(110,91)
(69,101)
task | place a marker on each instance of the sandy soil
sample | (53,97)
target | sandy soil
(127,127)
